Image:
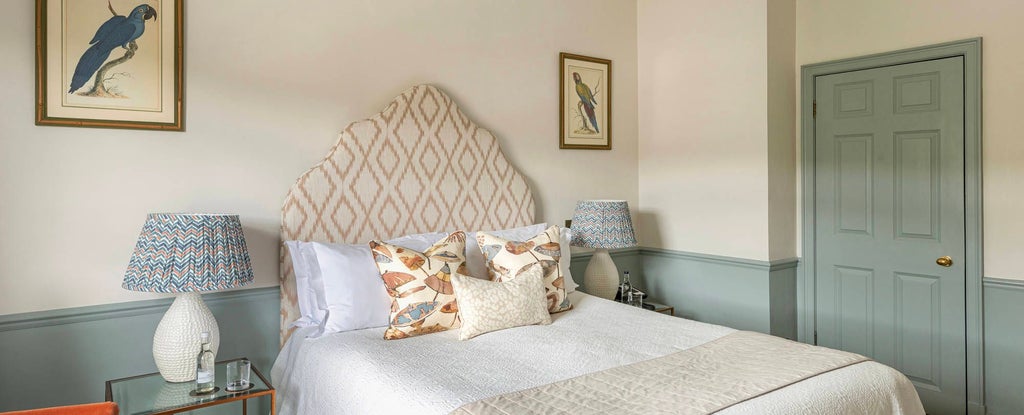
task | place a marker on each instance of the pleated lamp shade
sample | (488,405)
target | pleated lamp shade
(187,253)
(602,224)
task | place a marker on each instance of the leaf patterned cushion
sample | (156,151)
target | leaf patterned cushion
(419,283)
(508,259)
(487,306)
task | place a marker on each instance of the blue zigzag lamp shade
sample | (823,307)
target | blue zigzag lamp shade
(602,224)
(183,252)
(187,253)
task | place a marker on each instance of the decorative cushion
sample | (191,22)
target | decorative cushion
(486,306)
(507,259)
(419,283)
(475,260)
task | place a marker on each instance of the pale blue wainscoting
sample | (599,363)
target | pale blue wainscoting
(1004,346)
(62,357)
(735,292)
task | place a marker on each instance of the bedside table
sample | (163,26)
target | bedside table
(662,308)
(150,394)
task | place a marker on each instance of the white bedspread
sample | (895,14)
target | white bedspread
(360,373)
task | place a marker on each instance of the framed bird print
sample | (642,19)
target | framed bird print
(110,64)
(585,102)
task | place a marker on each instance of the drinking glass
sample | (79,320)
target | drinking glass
(238,375)
(636,298)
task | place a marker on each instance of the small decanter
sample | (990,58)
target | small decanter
(626,288)
(205,378)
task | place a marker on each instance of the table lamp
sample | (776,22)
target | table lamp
(602,224)
(187,253)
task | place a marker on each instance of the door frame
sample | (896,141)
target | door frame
(970,50)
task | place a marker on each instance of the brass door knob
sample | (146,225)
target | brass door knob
(945,261)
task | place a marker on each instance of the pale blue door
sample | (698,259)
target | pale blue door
(889,207)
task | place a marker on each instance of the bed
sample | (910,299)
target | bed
(366,188)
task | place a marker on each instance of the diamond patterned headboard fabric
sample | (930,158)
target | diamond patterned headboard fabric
(418,166)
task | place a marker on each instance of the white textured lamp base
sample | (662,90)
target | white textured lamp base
(601,278)
(176,343)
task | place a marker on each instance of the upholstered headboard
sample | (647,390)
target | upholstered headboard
(418,166)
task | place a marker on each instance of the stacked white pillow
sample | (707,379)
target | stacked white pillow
(339,287)
(303,259)
(565,236)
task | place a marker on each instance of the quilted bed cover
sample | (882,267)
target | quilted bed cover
(358,372)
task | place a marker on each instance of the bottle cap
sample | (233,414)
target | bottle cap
(205,336)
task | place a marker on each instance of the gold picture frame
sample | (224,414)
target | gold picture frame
(110,64)
(584,102)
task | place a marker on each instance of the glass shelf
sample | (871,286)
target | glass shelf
(150,394)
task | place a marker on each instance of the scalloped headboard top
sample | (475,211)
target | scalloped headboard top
(418,166)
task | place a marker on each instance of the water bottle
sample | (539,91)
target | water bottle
(626,288)
(204,366)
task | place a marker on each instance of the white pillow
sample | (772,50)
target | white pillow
(342,283)
(475,259)
(565,236)
(487,306)
(309,309)
(352,299)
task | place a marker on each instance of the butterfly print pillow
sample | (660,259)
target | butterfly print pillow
(420,285)
(507,259)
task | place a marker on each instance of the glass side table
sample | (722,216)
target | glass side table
(150,394)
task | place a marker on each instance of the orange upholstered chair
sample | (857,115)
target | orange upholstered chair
(102,408)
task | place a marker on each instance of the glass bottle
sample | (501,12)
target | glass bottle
(204,366)
(626,287)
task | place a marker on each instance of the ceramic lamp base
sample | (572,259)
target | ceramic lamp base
(601,279)
(176,342)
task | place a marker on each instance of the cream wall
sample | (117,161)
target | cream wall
(703,91)
(268,86)
(716,96)
(782,179)
(833,29)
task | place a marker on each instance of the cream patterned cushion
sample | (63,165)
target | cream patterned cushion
(419,283)
(487,306)
(506,260)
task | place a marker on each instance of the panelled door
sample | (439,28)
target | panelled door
(889,222)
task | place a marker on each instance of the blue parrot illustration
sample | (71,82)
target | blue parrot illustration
(587,98)
(116,31)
